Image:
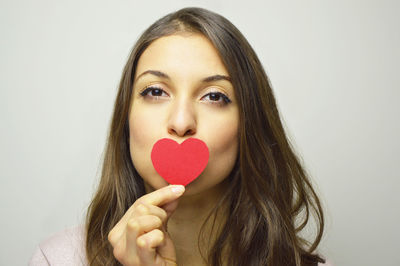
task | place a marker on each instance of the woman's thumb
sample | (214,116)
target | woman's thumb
(169,208)
(167,249)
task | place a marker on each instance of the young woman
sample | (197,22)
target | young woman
(192,74)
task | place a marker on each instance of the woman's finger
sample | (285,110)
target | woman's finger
(119,230)
(155,198)
(147,245)
(134,229)
(143,209)
(138,233)
(163,195)
(143,224)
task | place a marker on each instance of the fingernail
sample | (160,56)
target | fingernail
(179,189)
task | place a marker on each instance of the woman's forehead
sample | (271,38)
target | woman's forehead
(182,55)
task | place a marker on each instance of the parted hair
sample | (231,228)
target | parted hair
(270,196)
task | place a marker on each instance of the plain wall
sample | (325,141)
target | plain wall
(333,66)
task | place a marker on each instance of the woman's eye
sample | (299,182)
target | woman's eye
(154,91)
(218,98)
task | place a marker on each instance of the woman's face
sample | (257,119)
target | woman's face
(171,98)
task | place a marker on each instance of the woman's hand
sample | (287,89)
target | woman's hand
(141,237)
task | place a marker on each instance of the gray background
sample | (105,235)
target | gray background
(333,66)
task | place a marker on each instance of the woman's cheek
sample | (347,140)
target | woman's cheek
(141,139)
(223,144)
(224,133)
(145,125)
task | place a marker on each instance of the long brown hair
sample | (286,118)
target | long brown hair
(270,197)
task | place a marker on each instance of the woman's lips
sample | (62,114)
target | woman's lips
(179,163)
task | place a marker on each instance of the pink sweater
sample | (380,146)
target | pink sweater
(68,248)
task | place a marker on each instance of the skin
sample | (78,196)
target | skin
(178,107)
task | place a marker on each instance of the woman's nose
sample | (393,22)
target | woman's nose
(182,119)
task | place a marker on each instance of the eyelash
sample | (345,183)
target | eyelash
(225,98)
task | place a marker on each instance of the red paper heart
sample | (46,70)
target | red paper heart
(179,164)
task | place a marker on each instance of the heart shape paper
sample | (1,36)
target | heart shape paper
(179,164)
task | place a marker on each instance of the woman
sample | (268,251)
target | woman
(192,74)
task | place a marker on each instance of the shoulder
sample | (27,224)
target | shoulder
(66,247)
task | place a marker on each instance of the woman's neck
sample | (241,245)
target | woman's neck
(192,208)
(186,221)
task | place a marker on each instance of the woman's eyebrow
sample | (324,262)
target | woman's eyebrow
(165,76)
